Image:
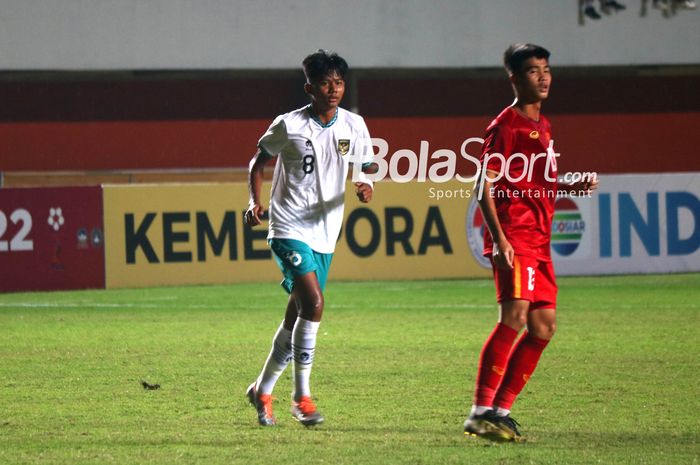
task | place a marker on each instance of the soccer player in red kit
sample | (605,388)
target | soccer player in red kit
(516,195)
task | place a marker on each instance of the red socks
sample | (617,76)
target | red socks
(521,365)
(492,363)
(497,360)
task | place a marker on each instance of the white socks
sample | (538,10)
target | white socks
(502,412)
(481,409)
(303,347)
(299,344)
(277,361)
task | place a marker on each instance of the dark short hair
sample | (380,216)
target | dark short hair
(322,63)
(517,54)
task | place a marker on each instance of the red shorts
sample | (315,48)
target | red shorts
(530,279)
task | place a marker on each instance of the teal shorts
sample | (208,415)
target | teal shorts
(295,258)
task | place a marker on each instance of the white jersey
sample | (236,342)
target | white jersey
(308,185)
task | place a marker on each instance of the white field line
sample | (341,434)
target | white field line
(74,305)
(201,306)
(266,306)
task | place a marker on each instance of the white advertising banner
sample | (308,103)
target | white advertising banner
(633,224)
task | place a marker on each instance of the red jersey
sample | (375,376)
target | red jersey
(526,193)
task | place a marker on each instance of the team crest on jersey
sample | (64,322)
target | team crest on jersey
(343,146)
(534,135)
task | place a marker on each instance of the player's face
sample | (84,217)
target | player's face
(534,80)
(327,93)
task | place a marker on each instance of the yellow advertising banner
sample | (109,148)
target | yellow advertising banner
(408,231)
(173,234)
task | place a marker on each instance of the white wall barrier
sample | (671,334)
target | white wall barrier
(226,34)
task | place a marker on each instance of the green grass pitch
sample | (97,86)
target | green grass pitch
(394,374)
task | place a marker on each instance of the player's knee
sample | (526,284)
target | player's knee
(519,319)
(544,330)
(312,308)
(550,329)
(516,321)
(513,315)
(317,304)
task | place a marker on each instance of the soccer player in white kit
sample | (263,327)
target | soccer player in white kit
(314,147)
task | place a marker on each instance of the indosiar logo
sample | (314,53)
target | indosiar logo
(568,227)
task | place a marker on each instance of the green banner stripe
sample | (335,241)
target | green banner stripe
(565,237)
(567,216)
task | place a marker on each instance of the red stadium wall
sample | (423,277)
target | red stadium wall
(603,124)
(619,143)
(600,122)
(605,143)
(125,145)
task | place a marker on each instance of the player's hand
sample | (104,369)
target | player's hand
(254,215)
(503,254)
(363,191)
(586,186)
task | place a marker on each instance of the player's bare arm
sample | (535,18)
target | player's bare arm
(363,190)
(503,252)
(256,170)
